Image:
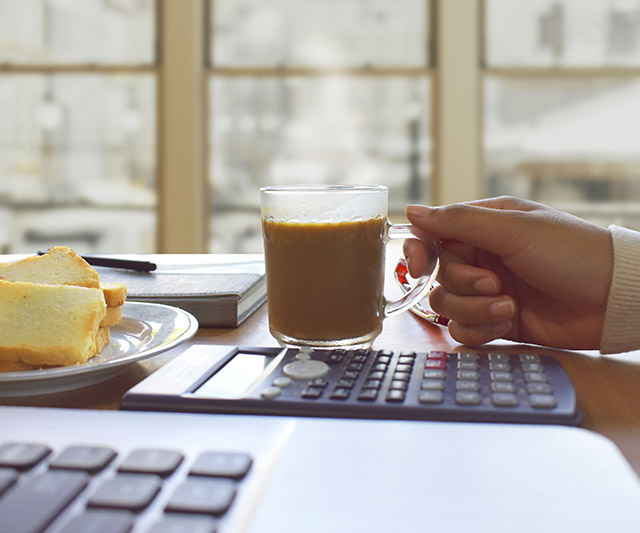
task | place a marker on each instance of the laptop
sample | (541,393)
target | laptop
(84,470)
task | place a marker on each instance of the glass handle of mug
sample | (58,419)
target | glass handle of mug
(425,282)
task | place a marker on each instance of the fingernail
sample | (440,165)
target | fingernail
(486,286)
(502,308)
(418,211)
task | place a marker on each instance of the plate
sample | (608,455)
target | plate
(146,329)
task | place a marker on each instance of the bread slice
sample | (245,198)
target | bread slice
(115,294)
(113,317)
(49,325)
(59,266)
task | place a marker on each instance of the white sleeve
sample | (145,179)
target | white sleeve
(621,331)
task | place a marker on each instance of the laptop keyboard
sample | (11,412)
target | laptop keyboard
(99,489)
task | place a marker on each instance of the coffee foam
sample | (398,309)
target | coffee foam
(327,207)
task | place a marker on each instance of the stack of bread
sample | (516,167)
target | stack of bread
(54,311)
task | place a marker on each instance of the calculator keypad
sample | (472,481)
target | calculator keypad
(441,385)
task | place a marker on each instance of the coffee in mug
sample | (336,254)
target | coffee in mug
(325,257)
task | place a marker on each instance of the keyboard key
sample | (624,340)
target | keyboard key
(499,357)
(91,459)
(529,358)
(542,401)
(132,492)
(433,373)
(500,375)
(430,396)
(468,398)
(468,375)
(185,524)
(31,506)
(100,522)
(503,386)
(539,377)
(468,385)
(467,365)
(8,477)
(532,367)
(504,399)
(203,496)
(340,393)
(368,395)
(396,396)
(538,388)
(432,384)
(466,356)
(152,461)
(233,465)
(399,384)
(312,393)
(22,455)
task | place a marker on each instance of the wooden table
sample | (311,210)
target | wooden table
(608,387)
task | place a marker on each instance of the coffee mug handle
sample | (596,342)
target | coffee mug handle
(425,282)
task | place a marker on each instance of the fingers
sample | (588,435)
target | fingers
(474,320)
(494,225)
(472,310)
(455,274)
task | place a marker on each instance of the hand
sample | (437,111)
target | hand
(516,270)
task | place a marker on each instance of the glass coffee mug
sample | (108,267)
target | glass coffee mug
(324,251)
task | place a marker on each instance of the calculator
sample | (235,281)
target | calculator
(361,383)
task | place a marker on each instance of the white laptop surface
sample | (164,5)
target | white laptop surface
(333,475)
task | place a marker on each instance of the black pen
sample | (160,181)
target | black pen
(112,262)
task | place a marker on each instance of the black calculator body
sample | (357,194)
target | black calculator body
(421,385)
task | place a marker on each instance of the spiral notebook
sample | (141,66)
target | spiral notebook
(219,290)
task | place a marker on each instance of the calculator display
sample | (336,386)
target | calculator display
(236,377)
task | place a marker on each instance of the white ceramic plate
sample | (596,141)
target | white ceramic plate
(146,329)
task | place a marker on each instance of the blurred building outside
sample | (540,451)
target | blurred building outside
(312,91)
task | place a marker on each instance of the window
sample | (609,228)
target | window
(77,138)
(561,93)
(315,91)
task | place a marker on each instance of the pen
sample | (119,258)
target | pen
(112,262)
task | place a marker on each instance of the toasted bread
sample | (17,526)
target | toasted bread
(115,294)
(49,325)
(59,266)
(113,317)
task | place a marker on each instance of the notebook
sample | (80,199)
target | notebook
(235,473)
(219,290)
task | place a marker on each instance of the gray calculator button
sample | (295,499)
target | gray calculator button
(468,398)
(501,376)
(532,367)
(430,396)
(270,392)
(468,385)
(542,401)
(529,358)
(504,399)
(499,357)
(306,369)
(282,382)
(538,388)
(467,365)
(468,374)
(535,376)
(432,384)
(462,356)
(502,386)
(434,373)
(499,366)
